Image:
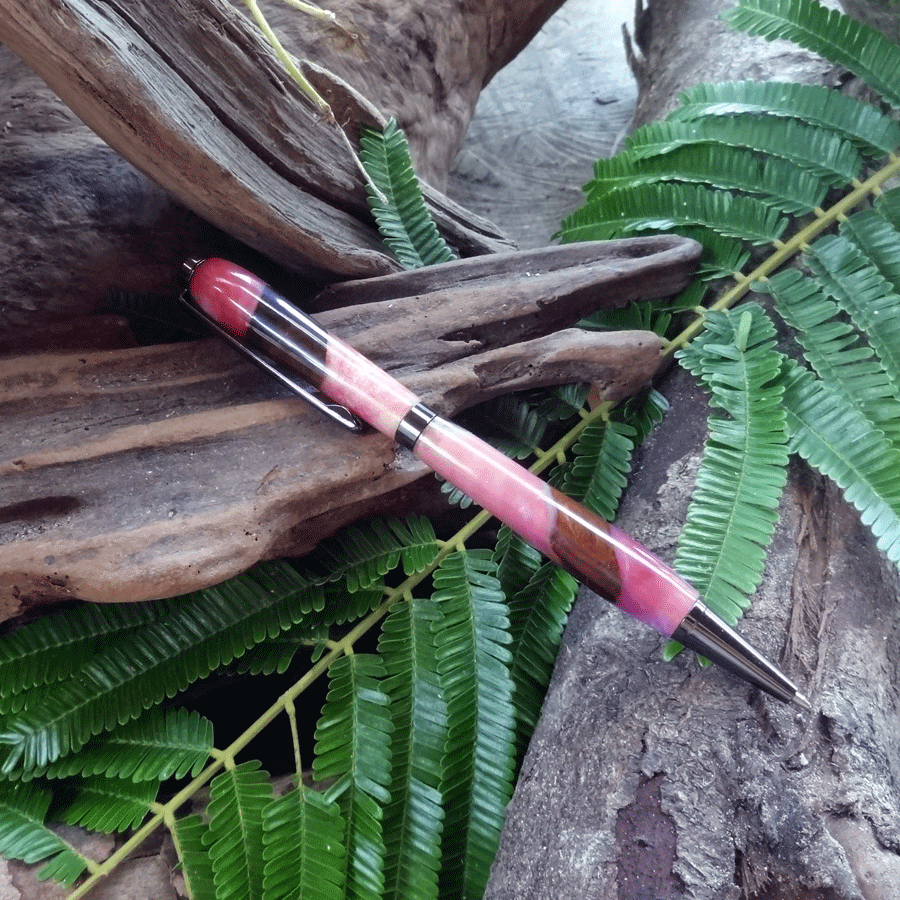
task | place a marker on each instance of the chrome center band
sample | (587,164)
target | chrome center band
(413,424)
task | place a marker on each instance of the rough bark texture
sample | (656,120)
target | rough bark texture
(655,781)
(190,94)
(140,474)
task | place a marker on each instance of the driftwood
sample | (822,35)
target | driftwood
(147,473)
(648,780)
(190,93)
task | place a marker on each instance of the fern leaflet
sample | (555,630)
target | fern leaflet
(23,834)
(303,835)
(353,747)
(857,47)
(403,218)
(107,804)
(473,660)
(191,837)
(237,799)
(841,443)
(733,512)
(413,819)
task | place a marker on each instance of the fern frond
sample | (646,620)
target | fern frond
(875,236)
(413,819)
(303,847)
(859,48)
(888,205)
(353,746)
(159,745)
(404,221)
(537,617)
(107,804)
(667,207)
(362,554)
(779,182)
(834,349)
(191,835)
(733,511)
(852,279)
(194,636)
(600,466)
(51,648)
(842,444)
(24,836)
(516,561)
(511,424)
(238,797)
(825,153)
(874,133)
(473,660)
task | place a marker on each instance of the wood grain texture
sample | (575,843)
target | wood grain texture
(649,780)
(189,92)
(154,471)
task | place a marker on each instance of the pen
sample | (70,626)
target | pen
(343,383)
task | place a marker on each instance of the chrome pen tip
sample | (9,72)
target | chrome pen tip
(801,700)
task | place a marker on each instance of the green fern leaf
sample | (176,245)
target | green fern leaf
(353,746)
(157,746)
(779,182)
(510,423)
(888,205)
(516,561)
(833,348)
(858,287)
(51,648)
(872,132)
(24,836)
(667,207)
(825,153)
(276,654)
(733,512)
(194,636)
(600,466)
(363,554)
(875,236)
(840,39)
(404,221)
(474,659)
(842,444)
(537,617)
(413,819)
(192,840)
(303,848)
(107,804)
(235,839)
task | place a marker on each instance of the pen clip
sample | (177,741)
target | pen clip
(299,386)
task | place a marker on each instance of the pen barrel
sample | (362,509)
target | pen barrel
(597,553)
(600,555)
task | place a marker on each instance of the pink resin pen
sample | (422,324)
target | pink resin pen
(294,348)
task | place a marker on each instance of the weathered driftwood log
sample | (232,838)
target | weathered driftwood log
(650,780)
(145,473)
(193,96)
(189,93)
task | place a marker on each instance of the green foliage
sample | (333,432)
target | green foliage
(23,834)
(419,741)
(395,198)
(723,156)
(742,472)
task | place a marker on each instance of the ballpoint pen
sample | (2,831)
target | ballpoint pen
(343,383)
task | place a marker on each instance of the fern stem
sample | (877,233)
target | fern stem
(288,61)
(291,712)
(788,249)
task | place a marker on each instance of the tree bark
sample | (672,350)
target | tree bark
(649,780)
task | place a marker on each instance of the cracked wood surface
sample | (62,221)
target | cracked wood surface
(154,471)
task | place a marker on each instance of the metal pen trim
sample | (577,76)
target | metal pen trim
(299,386)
